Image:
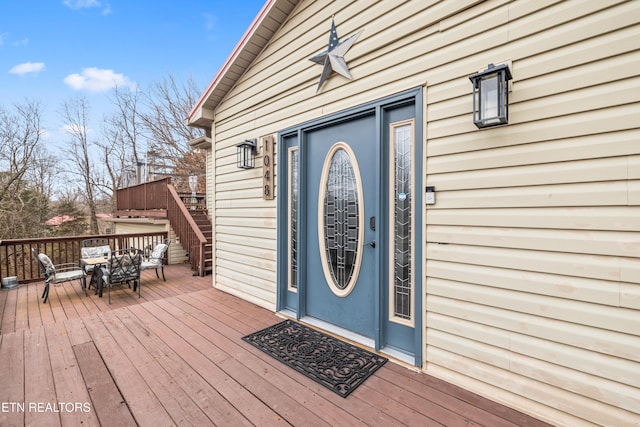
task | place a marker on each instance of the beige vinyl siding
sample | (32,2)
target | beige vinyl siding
(176,255)
(209,187)
(533,249)
(245,230)
(532,256)
(211,203)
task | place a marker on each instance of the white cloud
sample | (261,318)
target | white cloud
(23,42)
(27,67)
(210,21)
(72,130)
(81,4)
(107,10)
(87,4)
(5,40)
(97,80)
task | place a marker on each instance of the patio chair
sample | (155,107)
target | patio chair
(58,273)
(94,248)
(122,267)
(90,243)
(156,259)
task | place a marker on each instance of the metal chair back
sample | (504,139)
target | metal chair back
(57,273)
(123,266)
(90,243)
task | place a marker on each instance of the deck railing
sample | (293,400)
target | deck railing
(150,196)
(151,199)
(160,199)
(17,260)
(185,227)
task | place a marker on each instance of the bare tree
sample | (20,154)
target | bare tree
(167,105)
(122,130)
(75,113)
(20,134)
(43,172)
(26,172)
(41,177)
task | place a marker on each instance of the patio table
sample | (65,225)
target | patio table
(97,263)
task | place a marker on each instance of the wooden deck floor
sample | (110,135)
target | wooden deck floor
(175,357)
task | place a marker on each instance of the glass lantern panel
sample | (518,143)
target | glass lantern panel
(489,105)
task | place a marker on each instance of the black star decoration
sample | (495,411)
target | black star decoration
(332,59)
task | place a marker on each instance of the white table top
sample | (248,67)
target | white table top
(94,261)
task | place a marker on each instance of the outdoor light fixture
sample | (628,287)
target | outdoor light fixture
(247,154)
(491,96)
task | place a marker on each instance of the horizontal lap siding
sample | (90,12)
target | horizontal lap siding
(532,250)
(533,247)
(276,92)
(176,255)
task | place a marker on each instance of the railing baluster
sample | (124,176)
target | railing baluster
(16,258)
(160,195)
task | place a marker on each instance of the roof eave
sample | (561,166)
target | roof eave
(201,115)
(202,142)
(200,118)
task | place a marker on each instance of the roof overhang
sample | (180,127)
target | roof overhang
(203,142)
(270,18)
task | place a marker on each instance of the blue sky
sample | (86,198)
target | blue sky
(55,50)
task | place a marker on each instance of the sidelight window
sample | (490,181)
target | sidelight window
(401,207)
(293,180)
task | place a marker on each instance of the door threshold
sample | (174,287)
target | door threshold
(407,358)
(342,333)
(339,332)
(287,314)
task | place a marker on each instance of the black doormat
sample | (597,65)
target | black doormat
(337,365)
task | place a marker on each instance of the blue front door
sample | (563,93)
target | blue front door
(341,275)
(349,223)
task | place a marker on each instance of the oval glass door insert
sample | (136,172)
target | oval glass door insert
(340,225)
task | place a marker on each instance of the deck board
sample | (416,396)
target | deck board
(211,359)
(175,357)
(190,369)
(176,401)
(38,380)
(108,403)
(137,394)
(69,384)
(8,318)
(3,303)
(12,379)
(33,309)
(22,309)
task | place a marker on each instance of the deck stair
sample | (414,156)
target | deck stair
(201,218)
(186,213)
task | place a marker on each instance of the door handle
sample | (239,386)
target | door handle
(371,243)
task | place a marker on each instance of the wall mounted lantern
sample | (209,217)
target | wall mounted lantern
(247,154)
(491,96)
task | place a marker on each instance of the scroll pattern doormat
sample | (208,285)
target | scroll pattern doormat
(337,365)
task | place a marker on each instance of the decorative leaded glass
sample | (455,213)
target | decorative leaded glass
(293,219)
(341,219)
(402,221)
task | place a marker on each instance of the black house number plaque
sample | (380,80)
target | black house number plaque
(268,192)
